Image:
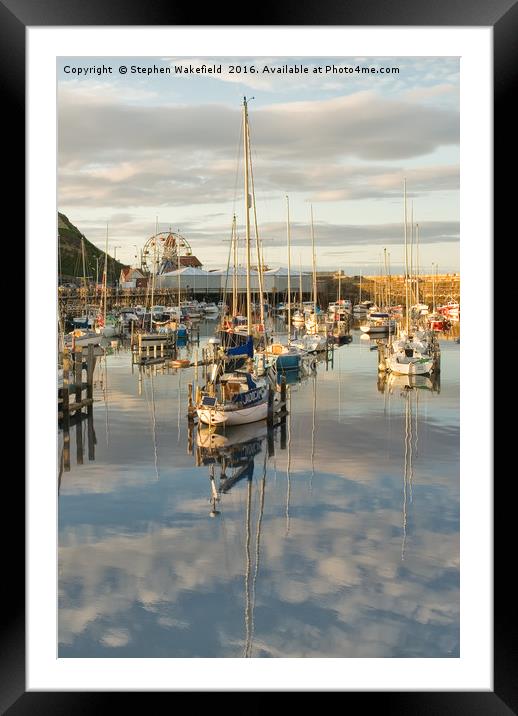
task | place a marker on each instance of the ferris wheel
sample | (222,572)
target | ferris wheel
(162,252)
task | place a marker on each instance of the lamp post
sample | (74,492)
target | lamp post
(114,270)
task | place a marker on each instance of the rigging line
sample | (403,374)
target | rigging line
(238,161)
(105,391)
(313,430)
(247,571)
(179,402)
(260,263)
(151,417)
(288,474)
(405,472)
(411,465)
(155,448)
(230,248)
(257,546)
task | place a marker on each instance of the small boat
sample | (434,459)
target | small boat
(311,343)
(238,399)
(298,319)
(379,323)
(82,337)
(410,355)
(281,356)
(438,322)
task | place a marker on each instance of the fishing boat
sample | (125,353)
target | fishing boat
(450,310)
(379,322)
(438,322)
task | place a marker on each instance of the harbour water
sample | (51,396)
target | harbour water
(339,539)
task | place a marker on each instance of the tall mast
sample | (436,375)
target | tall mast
(406,256)
(288,230)
(417,260)
(300,281)
(387,303)
(105,276)
(234,273)
(153,276)
(178,265)
(314,268)
(260,263)
(360,298)
(247,219)
(412,277)
(84,271)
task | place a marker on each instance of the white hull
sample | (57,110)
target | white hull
(410,366)
(378,329)
(240,416)
(311,343)
(109,331)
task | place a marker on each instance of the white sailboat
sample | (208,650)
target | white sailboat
(409,355)
(313,341)
(238,397)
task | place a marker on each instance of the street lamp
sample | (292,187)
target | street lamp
(115,269)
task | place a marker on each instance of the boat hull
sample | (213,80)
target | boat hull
(419,366)
(220,416)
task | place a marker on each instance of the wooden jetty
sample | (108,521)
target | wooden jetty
(75,400)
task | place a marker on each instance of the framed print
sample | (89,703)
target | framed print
(250,245)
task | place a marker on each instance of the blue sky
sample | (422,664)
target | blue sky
(134,147)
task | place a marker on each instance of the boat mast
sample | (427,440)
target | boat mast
(247,219)
(314,267)
(288,230)
(387,300)
(234,274)
(84,272)
(178,267)
(153,276)
(406,256)
(105,276)
(412,277)
(260,263)
(417,260)
(300,282)
(360,298)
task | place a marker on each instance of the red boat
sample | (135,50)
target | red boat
(438,322)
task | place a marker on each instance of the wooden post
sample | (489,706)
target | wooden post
(189,401)
(269,418)
(66,413)
(90,365)
(78,375)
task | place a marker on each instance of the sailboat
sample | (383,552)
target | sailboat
(237,397)
(409,354)
(313,341)
(106,324)
(298,315)
(283,357)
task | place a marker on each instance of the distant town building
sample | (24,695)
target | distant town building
(132,278)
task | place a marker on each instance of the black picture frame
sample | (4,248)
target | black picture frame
(15,16)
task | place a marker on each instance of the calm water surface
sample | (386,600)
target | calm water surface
(340,539)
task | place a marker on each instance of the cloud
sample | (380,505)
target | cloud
(364,125)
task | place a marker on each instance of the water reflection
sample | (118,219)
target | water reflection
(244,548)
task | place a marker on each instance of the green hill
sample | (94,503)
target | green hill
(70,260)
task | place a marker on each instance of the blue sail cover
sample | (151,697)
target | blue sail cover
(244,349)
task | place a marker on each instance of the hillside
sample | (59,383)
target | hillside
(70,261)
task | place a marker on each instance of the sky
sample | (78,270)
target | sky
(154,146)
